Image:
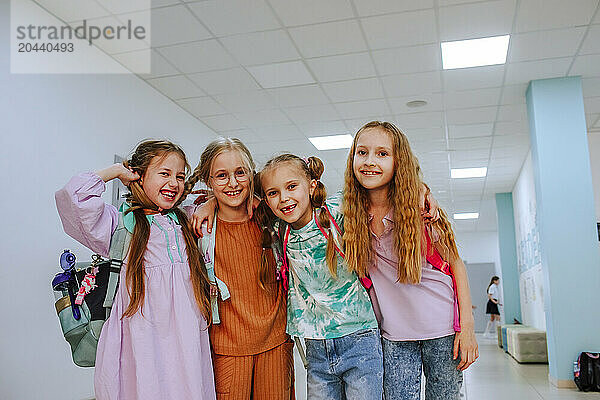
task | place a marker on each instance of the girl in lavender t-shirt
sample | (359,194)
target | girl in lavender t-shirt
(414,303)
(154,345)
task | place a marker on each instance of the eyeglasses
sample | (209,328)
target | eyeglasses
(223,178)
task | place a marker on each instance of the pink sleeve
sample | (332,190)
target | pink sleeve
(84,215)
(189,210)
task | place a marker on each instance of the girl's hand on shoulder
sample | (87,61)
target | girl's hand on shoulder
(204,212)
(429,205)
(127,175)
(465,346)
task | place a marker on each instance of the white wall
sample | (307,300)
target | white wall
(54,126)
(479,247)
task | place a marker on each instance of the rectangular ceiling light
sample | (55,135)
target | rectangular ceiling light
(466,216)
(332,142)
(475,52)
(457,173)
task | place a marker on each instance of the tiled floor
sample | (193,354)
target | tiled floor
(495,376)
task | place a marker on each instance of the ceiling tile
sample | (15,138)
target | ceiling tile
(176,87)
(246,101)
(165,32)
(425,135)
(472,98)
(514,94)
(546,44)
(511,128)
(376,7)
(434,103)
(198,56)
(475,143)
(591,87)
(477,20)
(473,78)
(111,46)
(471,115)
(512,112)
(534,15)
(220,123)
(362,109)
(408,59)
(323,128)
(232,80)
(592,105)
(590,120)
(229,17)
(591,44)
(202,106)
(420,120)
(511,140)
(300,115)
(305,12)
(328,39)
(135,61)
(524,72)
(297,96)
(360,89)
(245,135)
(412,84)
(405,29)
(343,67)
(261,47)
(282,74)
(262,118)
(354,124)
(74,10)
(279,132)
(470,130)
(586,66)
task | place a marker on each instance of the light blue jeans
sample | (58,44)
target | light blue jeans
(349,367)
(404,361)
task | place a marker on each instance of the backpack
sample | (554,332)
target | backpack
(95,285)
(586,372)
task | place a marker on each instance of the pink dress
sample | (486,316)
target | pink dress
(164,353)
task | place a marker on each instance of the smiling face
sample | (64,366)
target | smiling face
(163,180)
(373,161)
(287,192)
(230,180)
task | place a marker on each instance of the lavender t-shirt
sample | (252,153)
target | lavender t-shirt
(408,312)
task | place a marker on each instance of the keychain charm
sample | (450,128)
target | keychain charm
(87,285)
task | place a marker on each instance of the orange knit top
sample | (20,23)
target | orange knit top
(252,320)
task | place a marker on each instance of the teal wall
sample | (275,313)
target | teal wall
(508,257)
(565,206)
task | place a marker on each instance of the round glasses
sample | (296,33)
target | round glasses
(223,178)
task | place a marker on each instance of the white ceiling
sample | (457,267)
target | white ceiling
(274,72)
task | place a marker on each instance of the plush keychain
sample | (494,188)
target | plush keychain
(87,285)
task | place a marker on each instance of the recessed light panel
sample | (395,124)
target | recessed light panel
(332,142)
(475,52)
(458,173)
(466,216)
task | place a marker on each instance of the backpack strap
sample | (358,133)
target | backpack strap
(337,232)
(207,248)
(119,244)
(437,262)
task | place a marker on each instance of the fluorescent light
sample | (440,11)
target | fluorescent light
(457,173)
(475,52)
(332,142)
(466,216)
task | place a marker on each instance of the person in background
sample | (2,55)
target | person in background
(493,293)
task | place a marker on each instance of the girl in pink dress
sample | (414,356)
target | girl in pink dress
(155,343)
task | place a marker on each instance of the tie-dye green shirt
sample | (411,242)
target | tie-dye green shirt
(319,305)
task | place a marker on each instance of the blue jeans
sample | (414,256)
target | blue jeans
(349,367)
(404,361)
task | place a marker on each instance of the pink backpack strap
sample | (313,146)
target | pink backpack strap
(435,259)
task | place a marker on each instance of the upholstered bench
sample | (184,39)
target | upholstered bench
(527,345)
(502,339)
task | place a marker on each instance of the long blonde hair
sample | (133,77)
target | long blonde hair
(139,201)
(312,168)
(266,269)
(404,195)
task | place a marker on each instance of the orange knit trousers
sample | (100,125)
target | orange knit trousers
(264,376)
